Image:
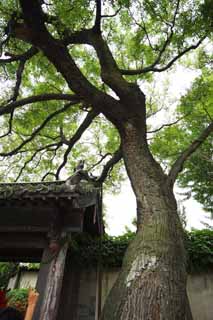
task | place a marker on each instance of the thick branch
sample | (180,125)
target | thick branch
(39,98)
(97,26)
(35,32)
(24,56)
(177,167)
(110,72)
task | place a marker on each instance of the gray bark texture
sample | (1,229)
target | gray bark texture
(152,283)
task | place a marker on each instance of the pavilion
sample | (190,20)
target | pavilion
(37,223)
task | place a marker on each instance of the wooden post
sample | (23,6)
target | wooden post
(53,287)
(52,270)
(49,284)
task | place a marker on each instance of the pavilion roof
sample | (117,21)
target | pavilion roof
(84,193)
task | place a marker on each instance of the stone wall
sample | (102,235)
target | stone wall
(200,291)
(199,287)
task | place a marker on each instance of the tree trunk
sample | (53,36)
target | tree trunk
(152,283)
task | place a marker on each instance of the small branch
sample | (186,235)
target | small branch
(153,67)
(168,124)
(36,131)
(49,173)
(177,167)
(19,73)
(117,156)
(207,112)
(25,165)
(112,15)
(22,61)
(81,129)
(99,161)
(10,122)
(39,98)
(151,114)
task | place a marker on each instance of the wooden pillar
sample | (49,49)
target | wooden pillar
(49,284)
(52,269)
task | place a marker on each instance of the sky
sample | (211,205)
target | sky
(121,210)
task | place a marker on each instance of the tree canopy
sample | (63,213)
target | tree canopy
(44,123)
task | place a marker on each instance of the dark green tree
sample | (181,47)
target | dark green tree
(93,58)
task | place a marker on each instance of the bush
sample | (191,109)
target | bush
(7,270)
(17,299)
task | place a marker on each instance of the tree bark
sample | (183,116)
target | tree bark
(152,283)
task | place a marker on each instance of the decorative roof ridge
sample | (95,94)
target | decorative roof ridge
(33,183)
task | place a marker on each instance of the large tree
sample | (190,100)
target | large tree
(96,55)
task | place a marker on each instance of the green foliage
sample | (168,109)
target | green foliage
(17,295)
(196,111)
(136,35)
(7,270)
(17,299)
(109,251)
(199,244)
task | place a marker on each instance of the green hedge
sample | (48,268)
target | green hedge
(110,250)
(199,245)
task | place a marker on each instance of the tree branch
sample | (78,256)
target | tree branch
(117,156)
(168,124)
(24,56)
(10,124)
(36,131)
(97,26)
(71,142)
(153,67)
(19,74)
(177,167)
(39,98)
(110,72)
(35,32)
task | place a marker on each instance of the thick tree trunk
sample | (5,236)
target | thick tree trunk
(152,284)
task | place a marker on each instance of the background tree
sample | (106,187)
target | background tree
(67,62)
(194,112)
